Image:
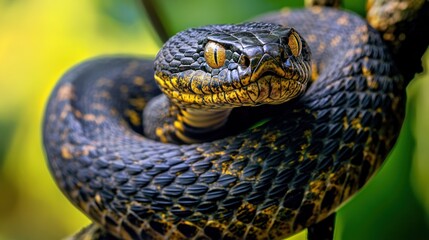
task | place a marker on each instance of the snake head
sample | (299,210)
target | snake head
(226,66)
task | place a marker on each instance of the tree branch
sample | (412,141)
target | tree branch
(154,12)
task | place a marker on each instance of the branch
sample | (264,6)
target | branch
(403,26)
(153,12)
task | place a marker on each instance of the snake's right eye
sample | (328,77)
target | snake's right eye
(214,53)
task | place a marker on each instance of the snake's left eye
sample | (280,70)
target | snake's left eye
(214,53)
(295,44)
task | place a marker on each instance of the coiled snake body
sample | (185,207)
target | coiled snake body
(267,181)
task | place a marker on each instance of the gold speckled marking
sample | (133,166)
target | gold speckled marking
(345,122)
(356,123)
(77,113)
(66,153)
(93,118)
(363,29)
(86,149)
(66,92)
(160,134)
(335,41)
(134,117)
(318,186)
(311,38)
(97,198)
(139,81)
(139,103)
(371,82)
(314,72)
(343,20)
(89,117)
(321,48)
(179,126)
(65,111)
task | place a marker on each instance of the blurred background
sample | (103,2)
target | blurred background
(40,40)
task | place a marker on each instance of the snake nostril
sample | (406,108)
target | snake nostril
(244,61)
(284,57)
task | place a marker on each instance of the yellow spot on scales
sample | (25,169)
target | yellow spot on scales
(94,118)
(343,20)
(314,72)
(66,92)
(139,81)
(134,117)
(160,134)
(335,41)
(139,103)
(66,153)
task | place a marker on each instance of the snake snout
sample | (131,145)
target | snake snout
(268,65)
(277,79)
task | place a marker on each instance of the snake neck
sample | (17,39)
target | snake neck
(166,122)
(195,125)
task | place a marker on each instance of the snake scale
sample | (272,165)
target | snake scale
(268,181)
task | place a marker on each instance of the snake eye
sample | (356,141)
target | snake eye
(295,44)
(214,53)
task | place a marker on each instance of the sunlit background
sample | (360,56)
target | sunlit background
(40,40)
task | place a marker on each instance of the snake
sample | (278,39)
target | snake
(250,131)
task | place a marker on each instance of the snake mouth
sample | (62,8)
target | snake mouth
(268,88)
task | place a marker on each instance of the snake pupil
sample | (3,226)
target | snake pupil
(215,56)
